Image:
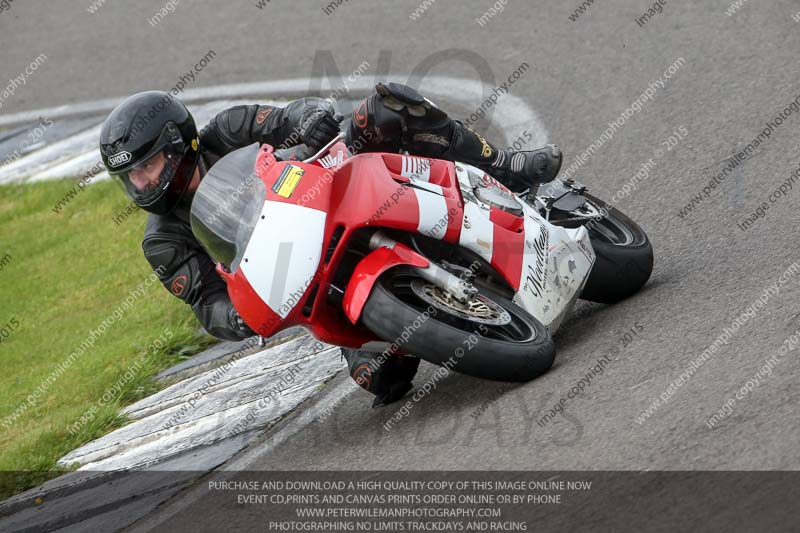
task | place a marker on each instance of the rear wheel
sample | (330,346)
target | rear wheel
(488,337)
(624,256)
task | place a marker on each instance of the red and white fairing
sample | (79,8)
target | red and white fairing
(288,263)
(547,265)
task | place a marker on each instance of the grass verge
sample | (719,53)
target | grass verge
(61,276)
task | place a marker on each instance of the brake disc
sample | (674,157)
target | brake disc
(479,309)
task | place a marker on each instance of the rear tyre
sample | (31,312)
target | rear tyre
(491,338)
(624,257)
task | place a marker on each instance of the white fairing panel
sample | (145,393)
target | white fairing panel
(556,262)
(433,215)
(283,254)
(555,267)
(477,231)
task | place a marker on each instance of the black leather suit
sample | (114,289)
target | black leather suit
(394,118)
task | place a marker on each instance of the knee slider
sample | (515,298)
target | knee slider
(397,97)
(403,93)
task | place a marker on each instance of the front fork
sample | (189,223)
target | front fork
(387,253)
(460,289)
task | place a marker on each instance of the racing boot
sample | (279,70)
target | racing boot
(386,376)
(524,170)
(516,169)
(397,117)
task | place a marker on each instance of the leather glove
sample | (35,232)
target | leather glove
(319,124)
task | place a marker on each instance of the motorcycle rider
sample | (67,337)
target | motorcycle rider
(150,144)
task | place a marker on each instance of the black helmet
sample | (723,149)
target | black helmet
(149,142)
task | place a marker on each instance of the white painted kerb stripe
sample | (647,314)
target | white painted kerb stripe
(511,111)
(70,157)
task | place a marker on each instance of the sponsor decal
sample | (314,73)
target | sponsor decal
(585,249)
(487,151)
(360,115)
(416,168)
(430,138)
(331,161)
(179,285)
(195,144)
(262,115)
(288,180)
(535,280)
(119,159)
(491,181)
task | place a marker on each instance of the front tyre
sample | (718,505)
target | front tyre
(624,256)
(490,337)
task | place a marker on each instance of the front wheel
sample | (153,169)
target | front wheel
(488,337)
(624,256)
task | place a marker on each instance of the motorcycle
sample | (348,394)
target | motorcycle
(410,255)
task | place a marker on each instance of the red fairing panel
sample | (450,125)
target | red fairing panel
(372,190)
(369,270)
(256,314)
(509,245)
(395,191)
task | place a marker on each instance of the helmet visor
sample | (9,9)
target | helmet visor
(147,180)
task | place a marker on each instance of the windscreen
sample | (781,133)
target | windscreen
(226,206)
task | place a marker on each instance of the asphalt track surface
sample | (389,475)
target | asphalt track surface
(738,73)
